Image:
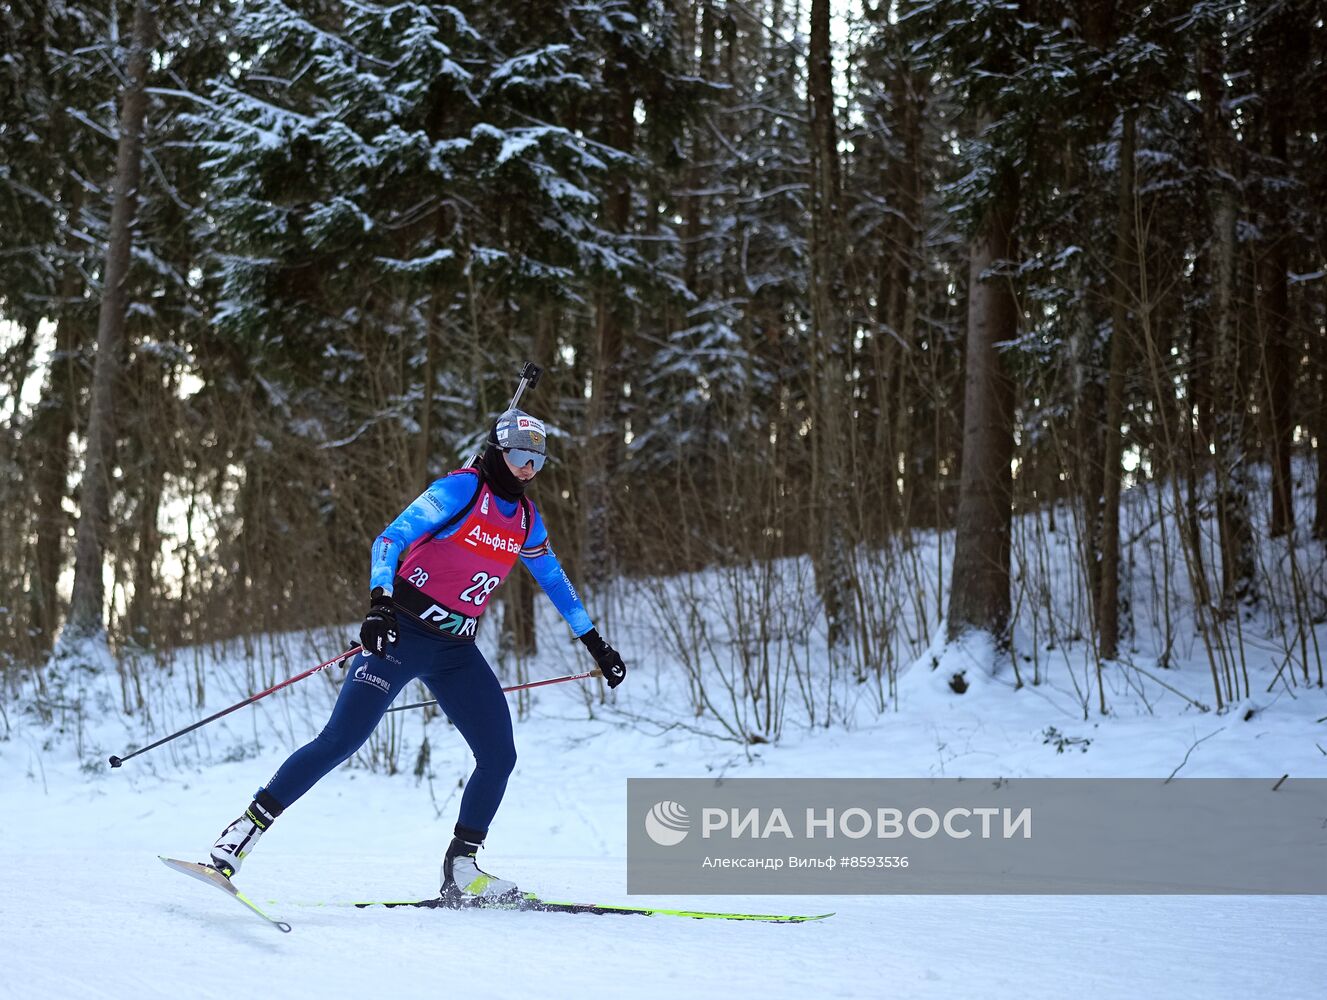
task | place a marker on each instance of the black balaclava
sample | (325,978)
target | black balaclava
(503,482)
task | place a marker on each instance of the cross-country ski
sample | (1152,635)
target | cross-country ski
(210,876)
(529,903)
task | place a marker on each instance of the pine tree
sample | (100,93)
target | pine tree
(991,45)
(86,611)
(831,348)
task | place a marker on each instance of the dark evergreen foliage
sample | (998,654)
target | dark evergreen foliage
(357,217)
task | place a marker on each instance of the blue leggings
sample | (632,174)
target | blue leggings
(467,690)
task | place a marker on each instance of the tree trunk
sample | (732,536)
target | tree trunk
(155,393)
(1233,481)
(1274,312)
(979,590)
(425,445)
(142,617)
(1108,611)
(895,393)
(831,461)
(1094,360)
(55,422)
(695,175)
(605,417)
(1320,432)
(86,611)
(1089,404)
(1280,385)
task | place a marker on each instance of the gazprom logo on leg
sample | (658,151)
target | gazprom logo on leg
(667,823)
(363,675)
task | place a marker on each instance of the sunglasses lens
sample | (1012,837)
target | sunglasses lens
(519,457)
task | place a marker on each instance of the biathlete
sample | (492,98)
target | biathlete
(434,571)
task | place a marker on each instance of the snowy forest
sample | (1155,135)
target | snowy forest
(866,326)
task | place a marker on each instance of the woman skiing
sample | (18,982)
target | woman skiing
(434,570)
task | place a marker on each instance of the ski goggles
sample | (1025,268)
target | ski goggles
(522,456)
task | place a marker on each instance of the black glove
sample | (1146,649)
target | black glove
(379,629)
(610,662)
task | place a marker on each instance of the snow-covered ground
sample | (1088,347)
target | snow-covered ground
(88,911)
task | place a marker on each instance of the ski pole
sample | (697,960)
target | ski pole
(516,687)
(117,761)
(530,373)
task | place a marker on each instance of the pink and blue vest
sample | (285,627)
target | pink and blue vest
(447,582)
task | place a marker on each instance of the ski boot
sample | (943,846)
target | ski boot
(241,837)
(464,883)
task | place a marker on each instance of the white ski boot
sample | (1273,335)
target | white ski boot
(464,882)
(238,839)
